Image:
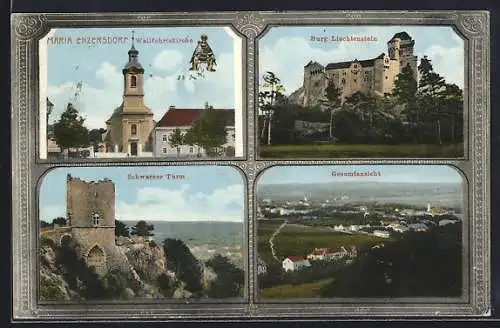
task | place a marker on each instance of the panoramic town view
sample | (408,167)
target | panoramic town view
(126,233)
(146,92)
(361,91)
(360,231)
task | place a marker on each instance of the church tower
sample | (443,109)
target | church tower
(130,126)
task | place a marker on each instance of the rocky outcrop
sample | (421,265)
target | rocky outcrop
(146,262)
(53,286)
(145,256)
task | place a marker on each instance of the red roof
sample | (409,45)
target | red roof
(186,116)
(296,258)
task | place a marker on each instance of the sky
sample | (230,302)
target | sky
(214,193)
(388,173)
(286,50)
(99,67)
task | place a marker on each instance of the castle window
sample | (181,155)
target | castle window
(164,150)
(191,149)
(133,81)
(386,77)
(343,81)
(366,72)
(95,219)
(355,66)
(355,80)
(165,138)
(133,129)
(344,73)
(365,79)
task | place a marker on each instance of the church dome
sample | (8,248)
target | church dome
(133,65)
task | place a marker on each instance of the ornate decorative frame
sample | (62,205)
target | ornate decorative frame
(27,29)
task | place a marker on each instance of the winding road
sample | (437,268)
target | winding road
(271,240)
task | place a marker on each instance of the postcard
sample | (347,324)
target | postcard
(171,92)
(232,166)
(125,233)
(381,231)
(361,91)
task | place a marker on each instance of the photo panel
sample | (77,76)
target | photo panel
(148,92)
(378,232)
(142,233)
(361,91)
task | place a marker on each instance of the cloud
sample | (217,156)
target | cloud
(50,212)
(98,99)
(289,54)
(223,204)
(167,60)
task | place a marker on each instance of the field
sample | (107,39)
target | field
(265,229)
(307,290)
(301,240)
(343,151)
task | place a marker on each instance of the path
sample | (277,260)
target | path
(271,240)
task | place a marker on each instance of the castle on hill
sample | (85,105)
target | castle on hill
(374,76)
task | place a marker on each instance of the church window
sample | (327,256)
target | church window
(355,66)
(133,81)
(164,150)
(133,129)
(95,219)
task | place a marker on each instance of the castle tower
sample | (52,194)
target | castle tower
(401,49)
(91,214)
(132,122)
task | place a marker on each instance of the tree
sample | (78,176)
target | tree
(50,106)
(95,137)
(177,140)
(60,221)
(332,102)
(121,229)
(230,279)
(143,229)
(431,91)
(70,130)
(272,92)
(181,261)
(209,131)
(167,285)
(44,224)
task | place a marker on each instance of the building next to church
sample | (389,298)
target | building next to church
(182,119)
(374,76)
(129,129)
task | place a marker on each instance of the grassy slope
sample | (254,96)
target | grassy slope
(308,290)
(296,240)
(326,151)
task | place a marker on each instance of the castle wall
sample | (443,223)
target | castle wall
(314,87)
(87,238)
(378,78)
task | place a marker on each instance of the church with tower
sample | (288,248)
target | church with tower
(129,129)
(374,76)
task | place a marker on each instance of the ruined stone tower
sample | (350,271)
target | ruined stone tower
(91,218)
